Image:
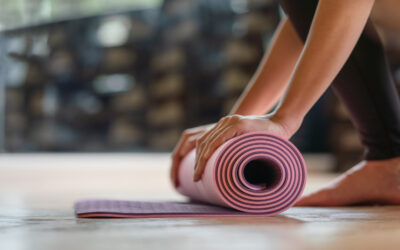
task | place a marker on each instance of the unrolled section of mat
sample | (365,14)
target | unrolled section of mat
(142,209)
(253,174)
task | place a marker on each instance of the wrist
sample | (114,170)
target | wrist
(290,122)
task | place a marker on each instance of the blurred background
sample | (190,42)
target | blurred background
(131,75)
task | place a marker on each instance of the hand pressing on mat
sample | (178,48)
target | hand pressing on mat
(260,96)
(329,44)
(186,143)
(232,126)
(306,59)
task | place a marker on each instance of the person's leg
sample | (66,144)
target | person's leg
(367,89)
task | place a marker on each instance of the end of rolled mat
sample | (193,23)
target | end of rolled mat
(260,173)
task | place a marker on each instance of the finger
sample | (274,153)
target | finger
(174,170)
(189,144)
(177,157)
(203,141)
(223,136)
(213,126)
(203,146)
(209,148)
(205,137)
(186,143)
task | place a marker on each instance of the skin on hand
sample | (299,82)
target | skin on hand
(262,93)
(232,126)
(186,143)
(332,35)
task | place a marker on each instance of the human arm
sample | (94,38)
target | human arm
(334,32)
(273,73)
(263,91)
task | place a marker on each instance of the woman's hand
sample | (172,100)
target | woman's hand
(186,143)
(235,125)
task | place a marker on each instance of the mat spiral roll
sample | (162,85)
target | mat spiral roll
(255,173)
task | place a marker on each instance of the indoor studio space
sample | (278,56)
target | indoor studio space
(199,124)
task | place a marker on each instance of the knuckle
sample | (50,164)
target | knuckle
(230,119)
(224,119)
(201,141)
(191,139)
(235,118)
(189,131)
(201,138)
(203,144)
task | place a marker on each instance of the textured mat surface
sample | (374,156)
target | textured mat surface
(138,209)
(254,174)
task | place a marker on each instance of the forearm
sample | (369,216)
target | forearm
(336,27)
(272,76)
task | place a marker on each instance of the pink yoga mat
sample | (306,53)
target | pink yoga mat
(252,174)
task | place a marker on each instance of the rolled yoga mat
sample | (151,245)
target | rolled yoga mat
(253,174)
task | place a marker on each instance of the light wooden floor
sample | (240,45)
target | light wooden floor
(37,193)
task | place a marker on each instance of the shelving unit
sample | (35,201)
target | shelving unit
(131,80)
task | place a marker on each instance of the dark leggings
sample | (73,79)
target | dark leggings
(364,85)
